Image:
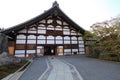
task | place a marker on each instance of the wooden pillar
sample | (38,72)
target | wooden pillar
(78,44)
(15,45)
(36,27)
(26,41)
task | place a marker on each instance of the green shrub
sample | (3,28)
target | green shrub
(109,56)
(11,68)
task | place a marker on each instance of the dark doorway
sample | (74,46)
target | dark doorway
(49,50)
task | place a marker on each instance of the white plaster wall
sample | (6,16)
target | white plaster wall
(67,50)
(19,51)
(73,34)
(81,42)
(40,41)
(74,42)
(50,41)
(20,41)
(49,21)
(41,28)
(81,49)
(66,38)
(41,37)
(31,37)
(58,28)
(80,38)
(66,32)
(74,38)
(39,46)
(59,46)
(19,55)
(31,31)
(41,25)
(74,50)
(64,23)
(50,37)
(21,37)
(50,27)
(81,45)
(59,37)
(42,21)
(82,53)
(31,41)
(59,22)
(59,42)
(42,31)
(66,42)
(30,51)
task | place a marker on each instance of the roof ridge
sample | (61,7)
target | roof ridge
(55,4)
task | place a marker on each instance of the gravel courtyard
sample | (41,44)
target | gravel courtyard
(89,68)
(94,69)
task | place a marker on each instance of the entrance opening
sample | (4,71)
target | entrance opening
(49,50)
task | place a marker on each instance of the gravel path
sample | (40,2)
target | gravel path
(94,69)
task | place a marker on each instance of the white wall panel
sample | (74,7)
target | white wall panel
(30,51)
(41,37)
(80,38)
(58,28)
(81,45)
(33,28)
(50,27)
(49,21)
(21,37)
(50,41)
(31,41)
(21,55)
(73,33)
(64,23)
(81,52)
(59,46)
(66,42)
(66,32)
(42,31)
(41,25)
(81,42)
(67,50)
(74,38)
(50,37)
(81,49)
(59,37)
(20,41)
(39,46)
(19,51)
(41,42)
(31,37)
(41,28)
(59,22)
(66,38)
(74,42)
(31,31)
(74,50)
(59,42)
(43,21)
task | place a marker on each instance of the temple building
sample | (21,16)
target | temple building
(51,33)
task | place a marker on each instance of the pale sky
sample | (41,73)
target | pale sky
(83,12)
